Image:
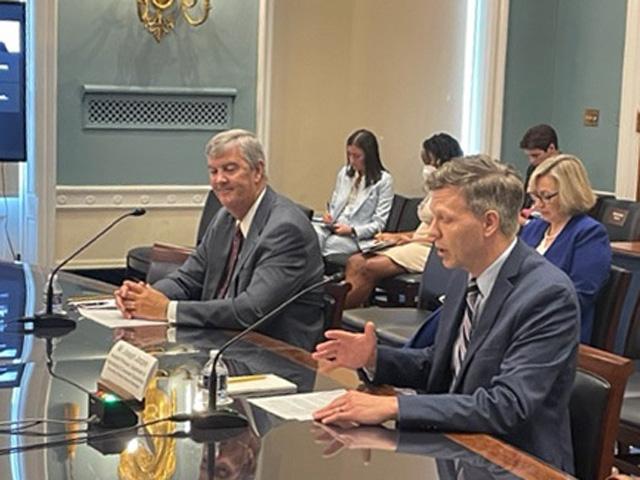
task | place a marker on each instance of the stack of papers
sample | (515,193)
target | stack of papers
(112,318)
(261,384)
(296,407)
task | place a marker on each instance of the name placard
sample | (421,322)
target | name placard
(128,371)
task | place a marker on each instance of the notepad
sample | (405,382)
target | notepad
(261,384)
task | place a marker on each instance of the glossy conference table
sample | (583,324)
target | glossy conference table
(270,449)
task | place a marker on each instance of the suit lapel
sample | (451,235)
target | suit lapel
(218,251)
(440,375)
(251,242)
(489,315)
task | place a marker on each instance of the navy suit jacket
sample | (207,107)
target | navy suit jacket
(582,251)
(279,257)
(516,378)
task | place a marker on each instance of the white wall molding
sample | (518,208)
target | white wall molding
(130,196)
(263,80)
(37,230)
(628,138)
(498,28)
(485,58)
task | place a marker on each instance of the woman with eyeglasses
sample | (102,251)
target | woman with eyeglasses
(570,239)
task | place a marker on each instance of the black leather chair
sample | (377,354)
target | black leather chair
(139,258)
(395,326)
(165,259)
(627,458)
(609,308)
(621,218)
(335,295)
(594,408)
(597,211)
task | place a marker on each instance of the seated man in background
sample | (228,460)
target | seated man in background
(505,353)
(258,251)
(538,143)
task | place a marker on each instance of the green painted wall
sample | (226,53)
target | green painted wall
(577,48)
(529,72)
(103,43)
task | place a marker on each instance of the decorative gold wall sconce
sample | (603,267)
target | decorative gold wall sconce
(159,16)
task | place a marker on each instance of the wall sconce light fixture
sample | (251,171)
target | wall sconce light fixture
(159,16)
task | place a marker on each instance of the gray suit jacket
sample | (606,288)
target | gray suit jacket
(279,257)
(518,372)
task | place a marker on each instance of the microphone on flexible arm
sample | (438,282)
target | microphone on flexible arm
(61,323)
(221,419)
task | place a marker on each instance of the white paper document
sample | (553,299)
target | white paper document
(112,318)
(296,407)
(260,384)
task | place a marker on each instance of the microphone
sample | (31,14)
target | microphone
(50,320)
(214,419)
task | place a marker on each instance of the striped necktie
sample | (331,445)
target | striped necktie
(462,342)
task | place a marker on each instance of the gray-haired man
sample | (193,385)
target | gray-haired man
(258,251)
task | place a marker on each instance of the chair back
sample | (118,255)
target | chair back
(609,308)
(395,215)
(594,409)
(434,282)
(409,219)
(308,212)
(621,218)
(335,295)
(632,338)
(166,258)
(597,211)
(211,207)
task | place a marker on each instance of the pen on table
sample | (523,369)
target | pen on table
(246,378)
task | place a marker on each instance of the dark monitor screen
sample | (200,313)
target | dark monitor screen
(13,295)
(12,291)
(10,375)
(12,82)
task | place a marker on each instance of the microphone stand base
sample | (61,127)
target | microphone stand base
(218,419)
(48,324)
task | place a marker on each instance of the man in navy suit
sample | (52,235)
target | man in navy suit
(505,353)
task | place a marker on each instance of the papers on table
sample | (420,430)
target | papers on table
(111,318)
(260,384)
(296,407)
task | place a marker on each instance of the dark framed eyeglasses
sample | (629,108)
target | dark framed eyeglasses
(542,196)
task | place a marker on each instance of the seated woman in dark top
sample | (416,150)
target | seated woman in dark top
(565,234)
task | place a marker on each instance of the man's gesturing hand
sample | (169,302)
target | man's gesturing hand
(351,350)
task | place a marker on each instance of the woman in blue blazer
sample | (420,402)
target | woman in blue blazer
(361,200)
(565,235)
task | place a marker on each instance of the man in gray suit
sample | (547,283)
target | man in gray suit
(505,353)
(258,251)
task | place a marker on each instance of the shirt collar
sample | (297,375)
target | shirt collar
(488,277)
(245,223)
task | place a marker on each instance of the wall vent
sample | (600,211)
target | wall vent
(152,108)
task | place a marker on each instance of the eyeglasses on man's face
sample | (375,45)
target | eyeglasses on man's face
(542,196)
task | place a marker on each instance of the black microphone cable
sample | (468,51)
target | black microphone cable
(178,417)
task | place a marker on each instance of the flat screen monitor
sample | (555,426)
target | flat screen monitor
(12,82)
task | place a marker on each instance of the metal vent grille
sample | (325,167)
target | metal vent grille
(157,111)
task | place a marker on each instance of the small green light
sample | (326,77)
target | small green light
(110,398)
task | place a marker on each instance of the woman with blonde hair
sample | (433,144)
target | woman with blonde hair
(569,238)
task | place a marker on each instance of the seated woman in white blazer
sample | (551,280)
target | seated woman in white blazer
(361,200)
